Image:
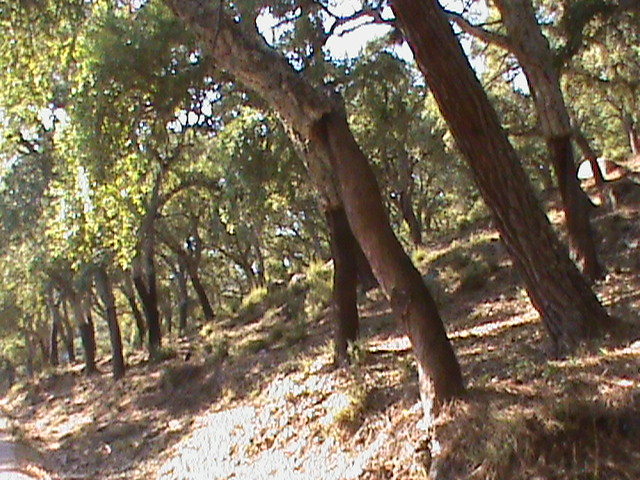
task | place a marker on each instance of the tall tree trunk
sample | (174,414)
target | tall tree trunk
(589,154)
(82,312)
(568,307)
(44,350)
(54,359)
(166,307)
(144,279)
(127,289)
(439,372)
(536,58)
(345,283)
(405,198)
(317,121)
(366,277)
(576,208)
(105,290)
(54,313)
(68,335)
(207,309)
(31,349)
(183,294)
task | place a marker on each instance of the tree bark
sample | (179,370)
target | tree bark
(54,313)
(127,289)
(576,208)
(54,359)
(536,58)
(144,280)
(345,283)
(405,198)
(105,290)
(568,307)
(589,154)
(316,121)
(82,313)
(183,295)
(194,275)
(81,307)
(68,335)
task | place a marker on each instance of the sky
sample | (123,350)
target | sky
(348,42)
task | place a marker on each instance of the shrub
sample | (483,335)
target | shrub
(319,280)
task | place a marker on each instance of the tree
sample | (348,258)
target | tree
(568,307)
(105,291)
(525,40)
(317,119)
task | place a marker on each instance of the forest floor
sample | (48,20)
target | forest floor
(266,402)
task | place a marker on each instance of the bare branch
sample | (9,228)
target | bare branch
(481,33)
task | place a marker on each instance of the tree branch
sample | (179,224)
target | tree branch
(481,33)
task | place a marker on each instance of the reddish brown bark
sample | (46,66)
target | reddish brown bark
(412,303)
(105,290)
(576,208)
(316,122)
(534,54)
(345,283)
(568,307)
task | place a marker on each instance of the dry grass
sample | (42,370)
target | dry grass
(260,398)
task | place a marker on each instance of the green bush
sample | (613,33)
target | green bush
(319,280)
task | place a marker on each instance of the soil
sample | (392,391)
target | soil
(271,404)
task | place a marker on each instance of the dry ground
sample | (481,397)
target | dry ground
(262,399)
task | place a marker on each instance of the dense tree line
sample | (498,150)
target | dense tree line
(164,158)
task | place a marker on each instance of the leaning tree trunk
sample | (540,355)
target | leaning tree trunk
(536,58)
(345,283)
(105,290)
(591,156)
(201,292)
(127,289)
(568,307)
(318,121)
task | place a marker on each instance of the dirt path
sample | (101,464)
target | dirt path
(10,454)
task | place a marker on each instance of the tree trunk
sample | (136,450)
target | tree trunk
(315,121)
(31,350)
(183,295)
(105,290)
(345,283)
(576,208)
(166,307)
(590,155)
(82,314)
(54,358)
(568,307)
(68,335)
(145,284)
(366,277)
(207,310)
(405,198)
(412,303)
(536,58)
(127,289)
